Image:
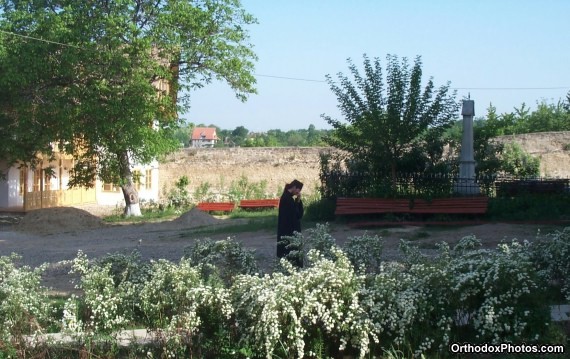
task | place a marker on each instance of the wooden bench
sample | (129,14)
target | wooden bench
(455,205)
(216,206)
(259,203)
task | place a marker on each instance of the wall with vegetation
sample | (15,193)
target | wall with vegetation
(220,166)
(552,148)
(277,165)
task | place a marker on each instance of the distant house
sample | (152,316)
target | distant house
(204,137)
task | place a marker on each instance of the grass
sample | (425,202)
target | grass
(147,216)
(256,221)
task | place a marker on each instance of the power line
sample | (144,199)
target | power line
(511,88)
(313,80)
(289,78)
(39,39)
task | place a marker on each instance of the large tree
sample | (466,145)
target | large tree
(390,121)
(100,78)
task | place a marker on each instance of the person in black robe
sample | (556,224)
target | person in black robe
(289,218)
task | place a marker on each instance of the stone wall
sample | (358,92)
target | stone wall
(220,166)
(549,147)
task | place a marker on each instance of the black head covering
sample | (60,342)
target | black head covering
(296,183)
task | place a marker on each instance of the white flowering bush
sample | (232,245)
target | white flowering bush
(302,311)
(103,306)
(24,306)
(300,244)
(180,306)
(466,294)
(224,258)
(409,307)
(365,252)
(551,254)
(499,293)
(341,303)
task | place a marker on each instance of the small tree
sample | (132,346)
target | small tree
(390,121)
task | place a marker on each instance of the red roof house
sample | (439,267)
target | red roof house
(204,137)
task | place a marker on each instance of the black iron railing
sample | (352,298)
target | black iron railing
(438,185)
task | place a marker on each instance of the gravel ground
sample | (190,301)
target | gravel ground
(43,242)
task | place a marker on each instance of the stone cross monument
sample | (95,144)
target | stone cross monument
(466,184)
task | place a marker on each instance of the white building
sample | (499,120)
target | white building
(24,189)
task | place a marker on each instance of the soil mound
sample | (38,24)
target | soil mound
(196,218)
(58,220)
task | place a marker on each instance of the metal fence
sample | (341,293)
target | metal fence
(435,185)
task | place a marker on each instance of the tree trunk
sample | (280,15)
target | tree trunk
(132,207)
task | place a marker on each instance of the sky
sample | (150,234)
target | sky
(503,52)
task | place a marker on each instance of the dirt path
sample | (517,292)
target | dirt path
(53,235)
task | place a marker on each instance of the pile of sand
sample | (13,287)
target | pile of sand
(58,220)
(196,218)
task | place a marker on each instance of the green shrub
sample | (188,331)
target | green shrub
(178,196)
(103,308)
(300,244)
(320,210)
(203,192)
(515,161)
(226,258)
(551,254)
(365,252)
(243,189)
(530,207)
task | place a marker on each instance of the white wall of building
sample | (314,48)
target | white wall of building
(115,198)
(9,188)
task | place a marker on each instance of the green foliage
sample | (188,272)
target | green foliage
(240,136)
(416,117)
(187,311)
(320,210)
(242,188)
(551,254)
(529,207)
(517,162)
(300,244)
(226,258)
(203,192)
(96,97)
(178,196)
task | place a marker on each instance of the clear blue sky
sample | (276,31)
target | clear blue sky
(473,44)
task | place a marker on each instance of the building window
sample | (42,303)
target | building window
(47,182)
(23,179)
(148,179)
(137,179)
(37,180)
(109,187)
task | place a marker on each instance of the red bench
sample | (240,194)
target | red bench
(216,206)
(455,205)
(259,203)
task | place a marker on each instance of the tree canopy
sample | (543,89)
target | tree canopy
(100,79)
(390,123)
